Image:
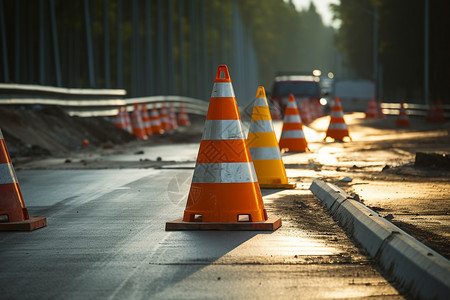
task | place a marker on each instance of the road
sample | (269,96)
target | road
(107,209)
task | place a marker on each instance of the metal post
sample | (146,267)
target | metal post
(89,44)
(148,50)
(134,46)
(426,56)
(107,69)
(17,49)
(182,77)
(375,49)
(160,57)
(171,45)
(193,50)
(41,43)
(119,74)
(55,44)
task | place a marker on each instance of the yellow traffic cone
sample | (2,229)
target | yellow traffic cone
(264,147)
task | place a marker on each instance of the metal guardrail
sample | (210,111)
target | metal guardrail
(411,109)
(88,102)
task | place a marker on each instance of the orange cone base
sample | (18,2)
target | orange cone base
(337,134)
(293,145)
(278,185)
(271,224)
(27,225)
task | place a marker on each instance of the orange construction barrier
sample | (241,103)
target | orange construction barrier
(292,137)
(173,117)
(155,121)
(264,147)
(183,118)
(403,119)
(164,117)
(136,123)
(372,110)
(224,193)
(146,119)
(380,113)
(13,213)
(337,129)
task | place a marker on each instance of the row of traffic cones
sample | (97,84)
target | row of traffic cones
(143,125)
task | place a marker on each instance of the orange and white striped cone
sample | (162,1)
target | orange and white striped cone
(183,118)
(292,137)
(403,119)
(136,123)
(305,113)
(126,117)
(173,117)
(380,113)
(224,193)
(372,111)
(155,121)
(146,119)
(119,121)
(164,117)
(12,207)
(264,147)
(337,129)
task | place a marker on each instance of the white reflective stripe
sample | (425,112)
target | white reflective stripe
(155,122)
(223,130)
(292,119)
(224,173)
(222,89)
(292,104)
(292,134)
(337,126)
(265,153)
(261,126)
(1,134)
(260,102)
(7,174)
(337,114)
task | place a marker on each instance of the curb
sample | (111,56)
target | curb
(420,270)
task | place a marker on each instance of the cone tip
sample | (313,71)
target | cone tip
(291,98)
(261,92)
(224,69)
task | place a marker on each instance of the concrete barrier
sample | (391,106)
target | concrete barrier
(423,272)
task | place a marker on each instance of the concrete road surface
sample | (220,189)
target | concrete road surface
(105,239)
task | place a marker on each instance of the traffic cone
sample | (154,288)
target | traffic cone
(126,117)
(403,119)
(292,137)
(431,112)
(275,111)
(164,117)
(13,213)
(380,113)
(136,123)
(119,121)
(439,115)
(264,146)
(224,193)
(183,118)
(173,117)
(337,129)
(146,119)
(305,113)
(371,111)
(155,121)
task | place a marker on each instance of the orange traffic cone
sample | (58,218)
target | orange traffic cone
(264,147)
(136,123)
(305,113)
(439,115)
(403,119)
(371,111)
(183,118)
(164,117)
(173,117)
(155,121)
(13,213)
(119,121)
(224,193)
(337,129)
(292,137)
(380,113)
(146,119)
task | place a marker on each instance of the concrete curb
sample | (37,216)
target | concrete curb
(419,269)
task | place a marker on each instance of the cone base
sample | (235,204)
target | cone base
(271,224)
(278,185)
(27,225)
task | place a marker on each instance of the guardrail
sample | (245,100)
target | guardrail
(88,102)
(411,109)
